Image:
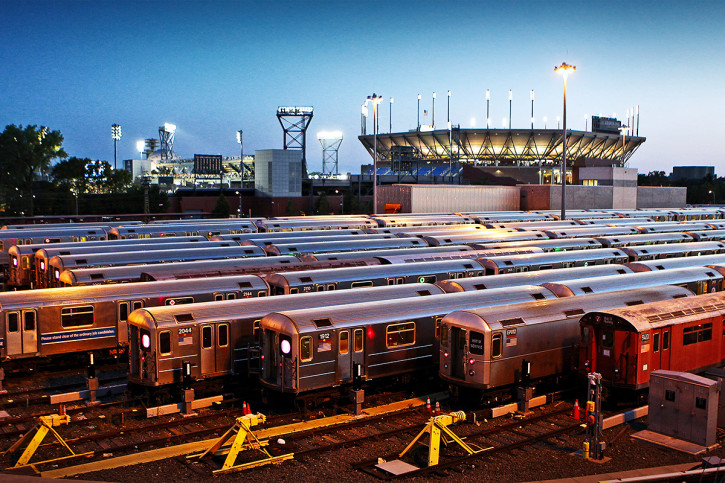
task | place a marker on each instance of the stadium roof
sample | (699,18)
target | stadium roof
(504,146)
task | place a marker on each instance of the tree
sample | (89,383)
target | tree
(322,205)
(71,174)
(26,153)
(222,208)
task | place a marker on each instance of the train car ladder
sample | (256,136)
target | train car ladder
(244,439)
(437,428)
(35,437)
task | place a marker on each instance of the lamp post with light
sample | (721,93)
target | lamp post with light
(116,135)
(488,101)
(433,114)
(419,112)
(390,124)
(532,109)
(511,98)
(564,70)
(375,99)
(450,133)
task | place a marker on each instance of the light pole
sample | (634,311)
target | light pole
(419,112)
(564,69)
(488,101)
(375,99)
(433,114)
(240,140)
(713,196)
(586,121)
(239,210)
(140,147)
(511,98)
(390,125)
(532,109)
(116,135)
(450,133)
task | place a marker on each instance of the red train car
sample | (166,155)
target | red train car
(625,345)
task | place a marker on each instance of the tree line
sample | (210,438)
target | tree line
(31,185)
(702,191)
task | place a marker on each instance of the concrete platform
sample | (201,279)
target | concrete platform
(619,476)
(672,443)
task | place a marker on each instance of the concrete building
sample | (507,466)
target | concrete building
(446,198)
(278,172)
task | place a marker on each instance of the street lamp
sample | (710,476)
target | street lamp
(488,101)
(532,109)
(390,125)
(375,99)
(239,210)
(419,112)
(240,140)
(433,114)
(450,133)
(511,98)
(564,70)
(116,135)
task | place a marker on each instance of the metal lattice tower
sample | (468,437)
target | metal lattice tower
(166,139)
(294,122)
(330,142)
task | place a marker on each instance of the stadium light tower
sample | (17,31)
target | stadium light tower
(330,141)
(116,135)
(166,139)
(375,99)
(140,147)
(564,70)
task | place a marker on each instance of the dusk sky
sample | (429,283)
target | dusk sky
(215,67)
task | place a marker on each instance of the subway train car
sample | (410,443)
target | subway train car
(617,221)
(556,245)
(707,235)
(551,260)
(410,220)
(59,263)
(656,227)
(689,249)
(46,235)
(333,237)
(591,231)
(615,241)
(529,278)
(314,349)
(221,338)
(288,235)
(354,244)
(420,230)
(301,223)
(309,257)
(71,321)
(679,262)
(23,257)
(483,237)
(413,256)
(182,229)
(370,276)
(626,344)
(484,349)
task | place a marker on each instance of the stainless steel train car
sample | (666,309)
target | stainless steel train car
(22,257)
(644,239)
(680,262)
(485,349)
(656,227)
(654,214)
(556,245)
(334,237)
(406,230)
(707,235)
(414,256)
(65,321)
(366,276)
(354,244)
(532,225)
(688,249)
(529,278)
(694,214)
(634,220)
(698,280)
(382,253)
(581,214)
(315,224)
(312,349)
(591,231)
(59,263)
(220,338)
(240,237)
(41,274)
(421,220)
(47,235)
(183,229)
(508,217)
(483,238)
(552,260)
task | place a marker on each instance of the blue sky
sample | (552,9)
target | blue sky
(214,67)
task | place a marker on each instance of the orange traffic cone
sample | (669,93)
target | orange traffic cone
(249,409)
(438,408)
(427,405)
(245,410)
(576,409)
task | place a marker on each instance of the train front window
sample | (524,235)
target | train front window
(444,335)
(496,345)
(475,343)
(607,339)
(655,343)
(76,316)
(306,349)
(165,343)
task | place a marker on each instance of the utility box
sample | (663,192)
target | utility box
(718,374)
(683,406)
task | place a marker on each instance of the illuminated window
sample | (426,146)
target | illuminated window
(306,349)
(344,342)
(358,340)
(397,335)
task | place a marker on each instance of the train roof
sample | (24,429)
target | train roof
(591,231)
(536,277)
(107,243)
(365,272)
(184,228)
(516,315)
(429,257)
(263,242)
(574,255)
(617,220)
(659,227)
(555,244)
(642,318)
(370,313)
(675,276)
(169,288)
(331,223)
(537,225)
(423,219)
(488,236)
(80,249)
(690,247)
(353,244)
(678,262)
(258,307)
(383,252)
(425,229)
(285,234)
(645,238)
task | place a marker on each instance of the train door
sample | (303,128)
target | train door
(208,358)
(458,352)
(21,335)
(358,349)
(223,353)
(344,364)
(665,348)
(656,346)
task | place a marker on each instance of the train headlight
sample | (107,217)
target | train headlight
(57,274)
(42,265)
(146,341)
(471,361)
(471,373)
(285,346)
(15,262)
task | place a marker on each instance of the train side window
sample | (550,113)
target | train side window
(669,395)
(255,329)
(607,339)
(76,316)
(330,286)
(231,296)
(29,320)
(397,335)
(306,349)
(475,343)
(665,341)
(123,311)
(656,343)
(320,288)
(344,342)
(137,305)
(358,347)
(365,283)
(700,403)
(13,325)
(206,339)
(391,281)
(496,345)
(444,335)
(218,297)
(293,290)
(223,335)
(705,333)
(165,343)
